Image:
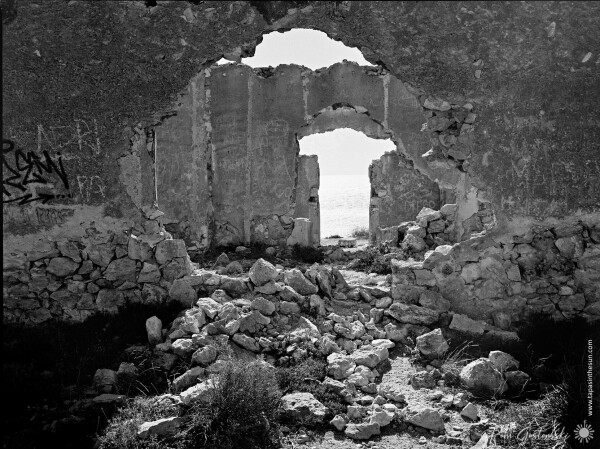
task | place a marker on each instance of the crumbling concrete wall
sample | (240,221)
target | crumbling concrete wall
(256,116)
(183,165)
(398,192)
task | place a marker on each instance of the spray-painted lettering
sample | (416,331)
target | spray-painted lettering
(24,170)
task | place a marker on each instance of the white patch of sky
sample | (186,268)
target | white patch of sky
(310,48)
(344,151)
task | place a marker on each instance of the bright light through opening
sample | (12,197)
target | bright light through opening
(345,190)
(310,48)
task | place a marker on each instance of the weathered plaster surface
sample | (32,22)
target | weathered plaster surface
(80,78)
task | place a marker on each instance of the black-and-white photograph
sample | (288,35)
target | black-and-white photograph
(301,224)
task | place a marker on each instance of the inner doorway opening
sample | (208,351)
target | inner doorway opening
(344,194)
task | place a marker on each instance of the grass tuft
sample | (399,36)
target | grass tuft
(360,232)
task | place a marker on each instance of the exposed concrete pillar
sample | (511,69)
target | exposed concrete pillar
(307,194)
(301,233)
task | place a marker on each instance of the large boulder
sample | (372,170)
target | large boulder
(62,266)
(425,379)
(123,269)
(246,342)
(381,417)
(432,344)
(503,361)
(303,407)
(425,417)
(516,380)
(350,330)
(209,306)
(369,356)
(482,376)
(295,279)
(201,392)
(182,292)
(408,313)
(340,366)
(362,431)
(463,323)
(189,378)
(263,305)
(168,250)
(161,427)
(204,356)
(154,330)
(262,272)
(105,380)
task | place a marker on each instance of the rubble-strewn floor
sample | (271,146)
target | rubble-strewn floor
(396,436)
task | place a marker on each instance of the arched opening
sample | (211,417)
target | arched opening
(306,47)
(365,183)
(344,191)
(260,184)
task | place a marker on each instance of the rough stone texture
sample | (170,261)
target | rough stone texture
(161,427)
(262,272)
(121,270)
(154,330)
(62,266)
(168,250)
(465,324)
(482,376)
(340,366)
(425,417)
(489,70)
(201,392)
(263,305)
(303,407)
(406,313)
(470,412)
(432,344)
(296,280)
(362,431)
(516,379)
(338,422)
(503,361)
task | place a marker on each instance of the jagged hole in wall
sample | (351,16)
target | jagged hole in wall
(344,156)
(310,48)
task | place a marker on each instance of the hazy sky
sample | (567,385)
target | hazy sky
(343,151)
(310,48)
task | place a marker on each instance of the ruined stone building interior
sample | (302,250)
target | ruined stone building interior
(166,217)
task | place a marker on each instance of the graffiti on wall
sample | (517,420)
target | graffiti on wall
(80,134)
(90,185)
(23,171)
(53,216)
(39,176)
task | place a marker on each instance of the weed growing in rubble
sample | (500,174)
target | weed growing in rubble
(242,410)
(121,432)
(454,361)
(360,232)
(374,260)
(531,424)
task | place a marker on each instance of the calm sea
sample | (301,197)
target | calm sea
(344,201)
